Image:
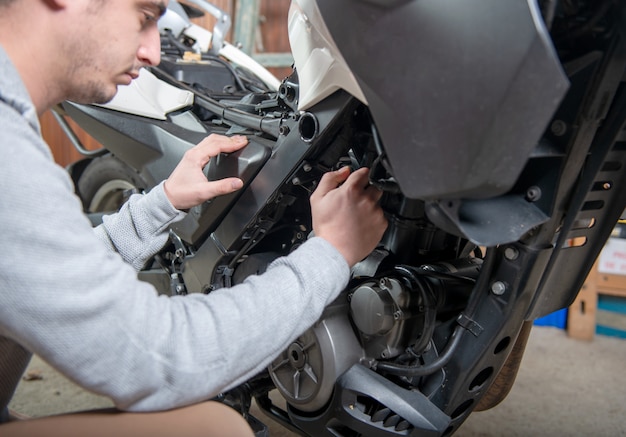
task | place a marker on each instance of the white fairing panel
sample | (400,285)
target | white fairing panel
(148,96)
(236,56)
(321,68)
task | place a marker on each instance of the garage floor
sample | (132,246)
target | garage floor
(565,387)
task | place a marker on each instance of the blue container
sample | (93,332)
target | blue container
(557,319)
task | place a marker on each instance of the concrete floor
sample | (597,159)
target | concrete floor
(565,387)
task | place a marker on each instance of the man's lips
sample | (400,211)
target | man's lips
(128,77)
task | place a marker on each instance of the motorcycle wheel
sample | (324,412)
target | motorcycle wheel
(106,184)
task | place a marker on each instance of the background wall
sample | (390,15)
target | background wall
(270,37)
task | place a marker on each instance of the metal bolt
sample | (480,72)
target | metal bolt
(558,128)
(511,253)
(533,194)
(498,288)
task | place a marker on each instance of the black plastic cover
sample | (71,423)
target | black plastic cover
(245,164)
(460,91)
(209,73)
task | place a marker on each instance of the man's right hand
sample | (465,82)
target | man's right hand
(345,212)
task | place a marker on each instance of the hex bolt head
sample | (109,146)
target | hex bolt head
(511,253)
(283,130)
(498,288)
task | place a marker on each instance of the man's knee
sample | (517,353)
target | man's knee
(221,419)
(205,419)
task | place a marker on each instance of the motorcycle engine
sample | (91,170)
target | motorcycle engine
(305,373)
(376,318)
(386,315)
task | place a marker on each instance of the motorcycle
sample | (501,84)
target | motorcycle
(496,131)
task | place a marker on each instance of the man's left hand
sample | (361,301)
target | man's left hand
(187,186)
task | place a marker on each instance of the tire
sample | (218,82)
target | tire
(106,184)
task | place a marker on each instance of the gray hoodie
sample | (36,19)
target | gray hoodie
(71,295)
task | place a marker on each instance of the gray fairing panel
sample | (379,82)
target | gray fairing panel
(460,90)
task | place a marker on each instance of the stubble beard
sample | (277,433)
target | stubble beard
(89,89)
(97,93)
(87,76)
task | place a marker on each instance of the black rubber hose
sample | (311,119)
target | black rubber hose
(455,338)
(442,360)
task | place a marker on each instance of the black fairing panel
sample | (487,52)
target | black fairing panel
(467,94)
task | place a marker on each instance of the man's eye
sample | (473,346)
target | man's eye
(149,17)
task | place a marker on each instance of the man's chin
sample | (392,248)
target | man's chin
(103,98)
(94,94)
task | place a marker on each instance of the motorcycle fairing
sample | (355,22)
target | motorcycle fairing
(487,222)
(139,141)
(149,97)
(484,82)
(321,68)
(245,164)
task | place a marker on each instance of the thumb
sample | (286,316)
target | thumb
(331,180)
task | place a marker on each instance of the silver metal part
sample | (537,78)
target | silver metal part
(498,288)
(306,372)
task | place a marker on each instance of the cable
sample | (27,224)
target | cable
(455,338)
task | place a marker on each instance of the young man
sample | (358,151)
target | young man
(71,295)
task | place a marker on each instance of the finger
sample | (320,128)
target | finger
(331,180)
(358,179)
(215,144)
(222,186)
(374,193)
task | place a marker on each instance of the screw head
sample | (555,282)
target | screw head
(511,253)
(533,194)
(559,128)
(498,288)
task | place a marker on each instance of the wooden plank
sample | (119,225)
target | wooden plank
(612,284)
(581,317)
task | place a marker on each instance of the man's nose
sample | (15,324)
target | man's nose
(149,52)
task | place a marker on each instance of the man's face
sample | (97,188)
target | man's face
(116,38)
